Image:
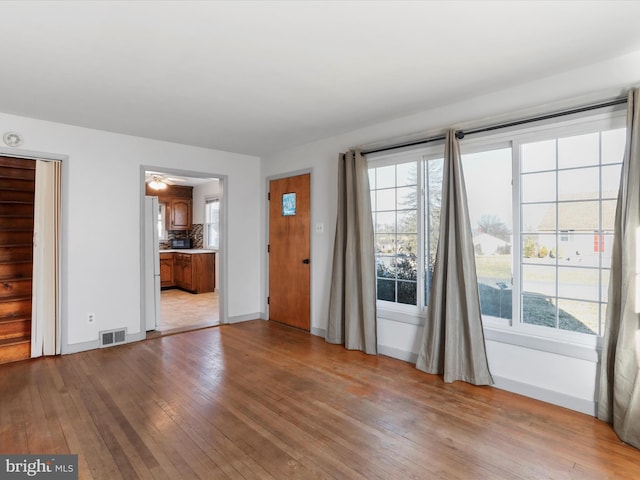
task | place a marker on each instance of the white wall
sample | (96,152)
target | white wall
(200,194)
(567,380)
(102,190)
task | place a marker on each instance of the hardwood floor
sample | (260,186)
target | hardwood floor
(259,400)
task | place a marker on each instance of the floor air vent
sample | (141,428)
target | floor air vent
(109,338)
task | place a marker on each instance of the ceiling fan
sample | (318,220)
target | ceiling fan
(158,181)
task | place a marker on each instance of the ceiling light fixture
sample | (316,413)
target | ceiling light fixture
(157,183)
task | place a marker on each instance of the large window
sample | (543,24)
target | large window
(541,206)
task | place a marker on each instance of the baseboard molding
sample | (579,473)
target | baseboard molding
(398,354)
(581,405)
(318,332)
(79,347)
(245,318)
(136,337)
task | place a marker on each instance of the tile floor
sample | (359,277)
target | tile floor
(182,311)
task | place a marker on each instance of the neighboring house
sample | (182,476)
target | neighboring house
(581,236)
(485,244)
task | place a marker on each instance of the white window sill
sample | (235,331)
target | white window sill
(511,336)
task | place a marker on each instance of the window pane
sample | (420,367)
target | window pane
(387,290)
(539,249)
(539,279)
(605,254)
(432,181)
(386,266)
(539,310)
(407,244)
(609,214)
(578,151)
(386,177)
(407,293)
(539,217)
(581,249)
(611,181)
(407,267)
(386,199)
(539,187)
(578,216)
(407,174)
(578,316)
(579,184)
(604,285)
(578,283)
(613,142)
(491,216)
(407,221)
(385,244)
(386,222)
(407,198)
(538,156)
(372,178)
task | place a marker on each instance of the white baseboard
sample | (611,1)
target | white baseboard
(581,405)
(245,318)
(80,347)
(319,332)
(397,353)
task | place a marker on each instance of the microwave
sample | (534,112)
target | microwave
(180,243)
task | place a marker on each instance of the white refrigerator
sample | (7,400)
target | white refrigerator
(151,263)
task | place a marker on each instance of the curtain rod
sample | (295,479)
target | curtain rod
(461,134)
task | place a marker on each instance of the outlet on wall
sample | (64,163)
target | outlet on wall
(91,317)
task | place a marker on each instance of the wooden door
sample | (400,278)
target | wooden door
(289,251)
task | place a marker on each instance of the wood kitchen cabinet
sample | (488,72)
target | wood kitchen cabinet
(179,214)
(166,270)
(178,201)
(193,272)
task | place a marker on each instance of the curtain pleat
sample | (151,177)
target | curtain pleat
(619,386)
(453,341)
(45,332)
(352,302)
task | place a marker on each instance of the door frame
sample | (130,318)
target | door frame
(221,256)
(268,180)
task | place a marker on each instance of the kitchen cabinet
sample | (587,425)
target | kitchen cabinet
(166,270)
(194,272)
(180,214)
(178,201)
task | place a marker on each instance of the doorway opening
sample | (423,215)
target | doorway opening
(182,251)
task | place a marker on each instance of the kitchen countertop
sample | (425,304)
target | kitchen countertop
(187,250)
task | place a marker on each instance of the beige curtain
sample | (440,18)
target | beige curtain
(352,302)
(619,393)
(45,315)
(453,341)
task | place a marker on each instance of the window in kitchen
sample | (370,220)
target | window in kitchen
(212,223)
(162,223)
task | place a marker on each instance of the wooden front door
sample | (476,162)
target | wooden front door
(289,251)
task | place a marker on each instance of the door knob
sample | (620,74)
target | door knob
(306,261)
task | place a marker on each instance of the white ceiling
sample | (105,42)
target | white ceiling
(259,77)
